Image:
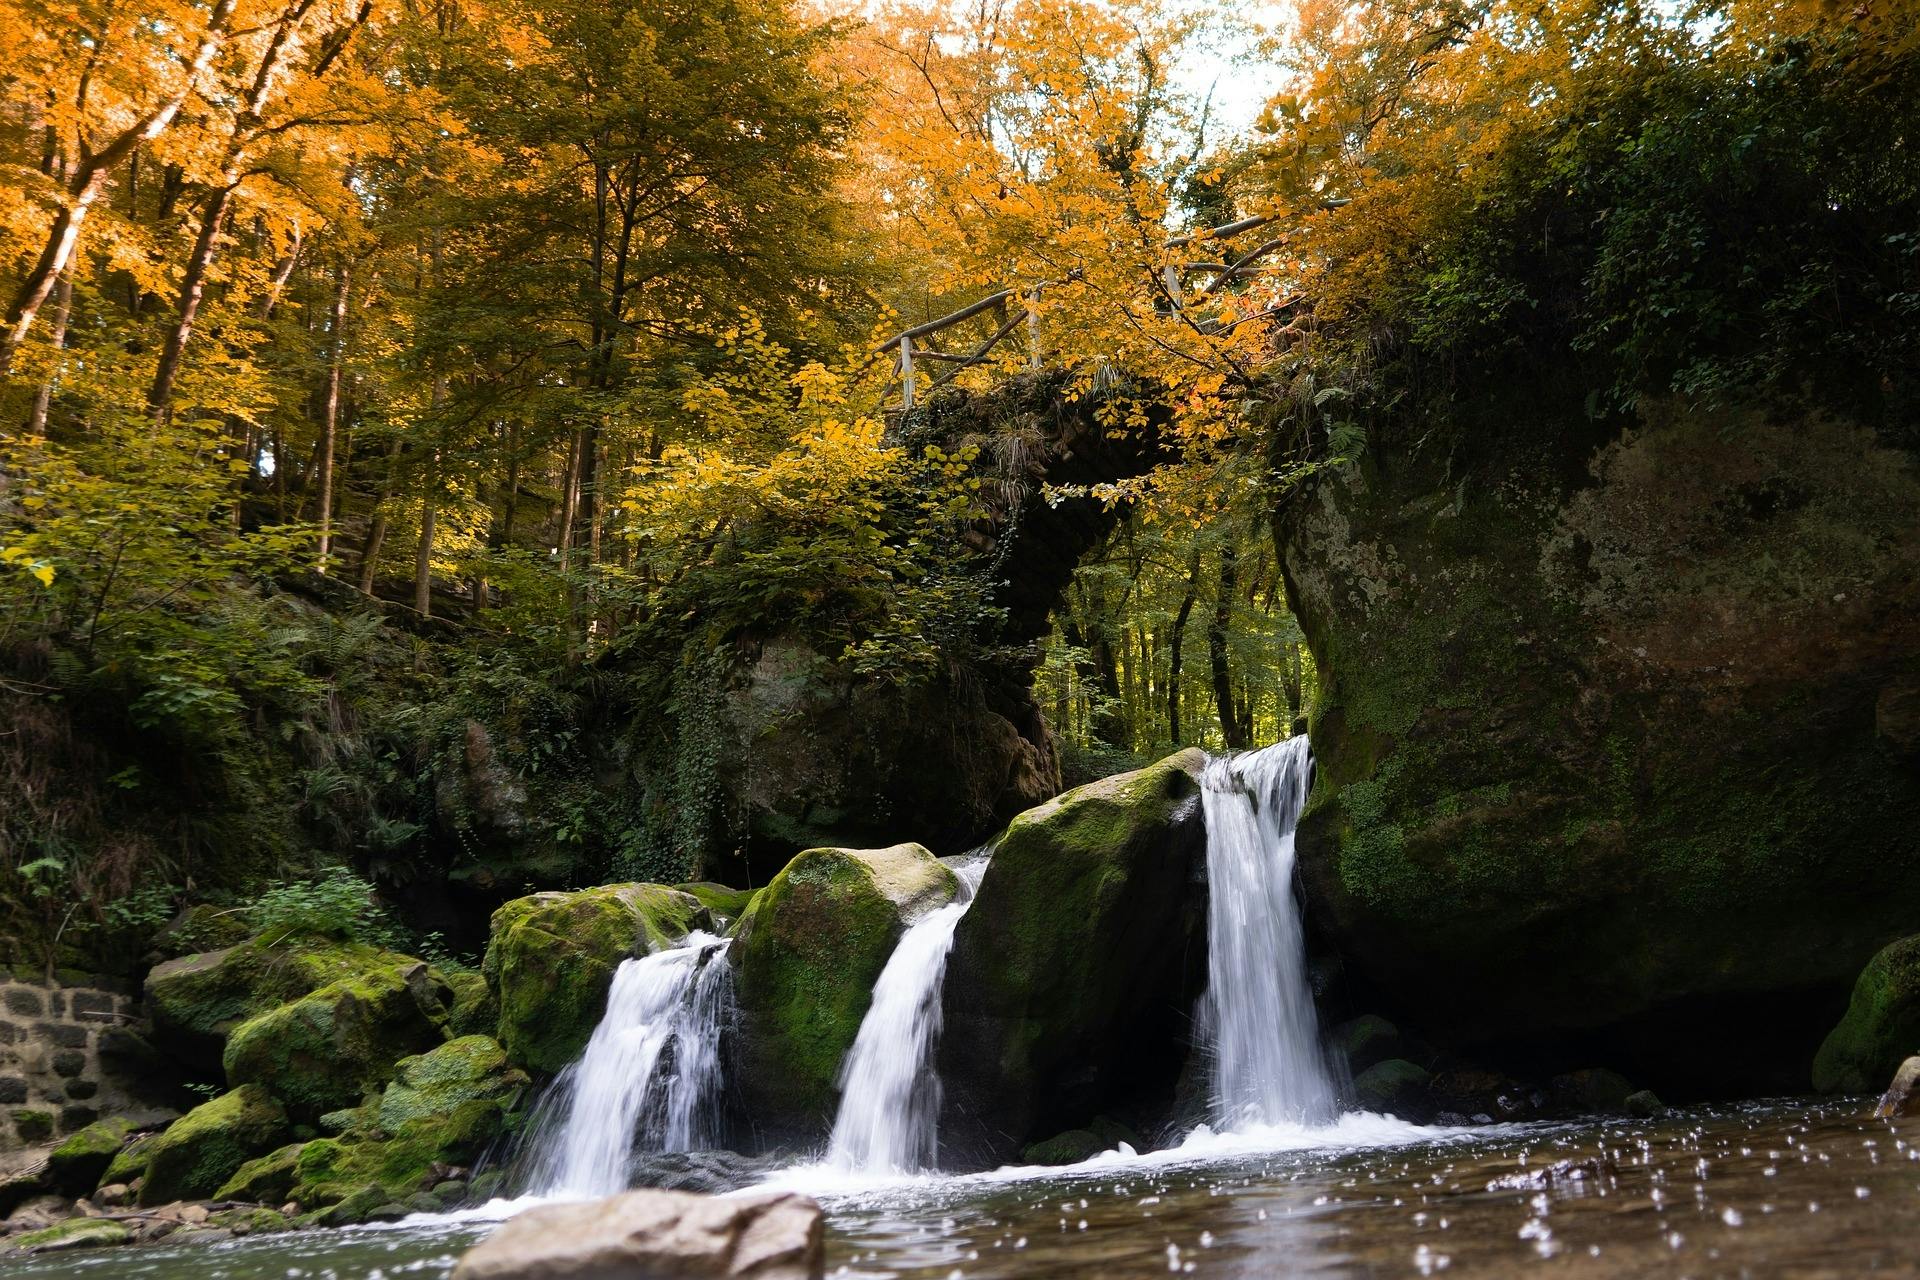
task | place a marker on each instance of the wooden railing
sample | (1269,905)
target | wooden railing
(911,351)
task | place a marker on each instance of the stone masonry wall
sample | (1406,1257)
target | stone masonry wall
(68,1055)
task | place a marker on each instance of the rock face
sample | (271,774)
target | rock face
(1608,761)
(1881,1027)
(668,1234)
(1070,987)
(1902,1097)
(207,1146)
(551,958)
(196,1001)
(805,958)
(327,1049)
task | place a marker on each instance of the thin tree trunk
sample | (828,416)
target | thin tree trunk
(57,335)
(423,555)
(1174,659)
(89,179)
(193,287)
(330,417)
(1230,727)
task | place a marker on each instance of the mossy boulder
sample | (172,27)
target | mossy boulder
(1395,1087)
(1881,1028)
(266,1180)
(74,1233)
(195,1002)
(474,1011)
(205,1147)
(726,905)
(331,1047)
(805,958)
(130,1162)
(75,1165)
(1365,1040)
(1601,744)
(443,1109)
(551,957)
(1070,987)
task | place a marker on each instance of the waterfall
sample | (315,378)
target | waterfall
(1268,1064)
(889,1092)
(650,1075)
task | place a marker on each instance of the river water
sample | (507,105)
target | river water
(1791,1189)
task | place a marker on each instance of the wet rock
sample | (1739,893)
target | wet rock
(805,958)
(706,1172)
(1645,1104)
(1880,1027)
(266,1180)
(1070,1147)
(1070,987)
(202,1149)
(1902,1097)
(330,1047)
(774,1236)
(1395,1087)
(1367,1040)
(550,959)
(1594,1091)
(1480,1092)
(75,1233)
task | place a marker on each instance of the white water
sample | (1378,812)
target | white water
(889,1091)
(1268,1066)
(650,1075)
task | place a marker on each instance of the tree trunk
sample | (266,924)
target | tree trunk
(1174,644)
(62,309)
(1230,727)
(330,417)
(193,287)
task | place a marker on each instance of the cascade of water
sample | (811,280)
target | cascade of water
(890,1096)
(1268,1065)
(650,1075)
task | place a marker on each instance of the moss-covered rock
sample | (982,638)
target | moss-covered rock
(1394,1087)
(805,958)
(1881,1028)
(195,1002)
(1599,754)
(205,1147)
(1365,1040)
(331,1047)
(474,1011)
(131,1161)
(551,957)
(1070,1147)
(726,905)
(74,1167)
(74,1233)
(1070,987)
(266,1180)
(443,1109)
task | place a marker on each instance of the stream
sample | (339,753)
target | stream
(1758,1190)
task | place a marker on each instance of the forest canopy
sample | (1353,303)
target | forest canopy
(377,369)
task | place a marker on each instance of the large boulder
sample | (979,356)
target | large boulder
(331,1047)
(1605,756)
(1881,1028)
(196,1001)
(551,959)
(805,958)
(443,1109)
(1070,987)
(770,1236)
(201,1150)
(75,1166)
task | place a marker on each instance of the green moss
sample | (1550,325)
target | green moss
(207,1146)
(76,1164)
(267,1180)
(1070,1147)
(806,956)
(328,1049)
(1393,1087)
(1881,1027)
(74,1233)
(474,1010)
(430,1090)
(551,959)
(131,1162)
(196,1001)
(725,904)
(32,1124)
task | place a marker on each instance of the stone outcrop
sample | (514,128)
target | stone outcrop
(1610,735)
(775,1236)
(1881,1027)
(1070,987)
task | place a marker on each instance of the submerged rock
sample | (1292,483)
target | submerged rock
(202,1149)
(1604,745)
(775,1236)
(1881,1026)
(551,958)
(805,958)
(1069,990)
(706,1172)
(329,1048)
